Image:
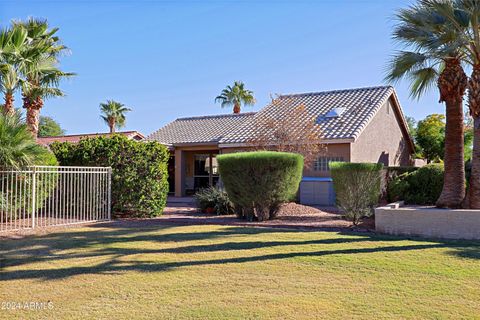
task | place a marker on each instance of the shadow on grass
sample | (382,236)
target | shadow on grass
(102,242)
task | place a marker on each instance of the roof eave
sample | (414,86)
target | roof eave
(246,144)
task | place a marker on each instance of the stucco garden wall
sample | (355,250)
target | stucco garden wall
(428,222)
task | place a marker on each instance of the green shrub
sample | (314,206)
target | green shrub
(357,187)
(422,187)
(212,199)
(258,182)
(18,151)
(139,170)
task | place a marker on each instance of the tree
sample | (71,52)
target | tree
(12,45)
(435,56)
(276,134)
(17,146)
(464,17)
(412,126)
(113,113)
(49,127)
(40,68)
(235,96)
(430,136)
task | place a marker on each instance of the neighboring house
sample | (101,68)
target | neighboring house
(355,125)
(74,138)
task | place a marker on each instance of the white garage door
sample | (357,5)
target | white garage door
(317,191)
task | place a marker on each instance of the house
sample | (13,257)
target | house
(74,138)
(356,125)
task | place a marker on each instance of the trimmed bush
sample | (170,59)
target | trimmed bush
(390,175)
(139,170)
(422,186)
(258,182)
(357,187)
(214,200)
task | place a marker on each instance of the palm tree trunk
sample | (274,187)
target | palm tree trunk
(33,117)
(236,108)
(33,107)
(111,125)
(472,199)
(8,106)
(452,84)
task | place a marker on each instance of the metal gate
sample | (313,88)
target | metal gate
(43,196)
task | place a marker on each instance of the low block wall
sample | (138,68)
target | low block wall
(428,222)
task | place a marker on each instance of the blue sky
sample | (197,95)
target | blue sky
(169,59)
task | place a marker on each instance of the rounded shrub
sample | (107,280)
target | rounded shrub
(422,186)
(139,170)
(258,182)
(357,187)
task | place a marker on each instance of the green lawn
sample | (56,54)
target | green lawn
(186,272)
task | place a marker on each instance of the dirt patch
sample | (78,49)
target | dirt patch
(290,215)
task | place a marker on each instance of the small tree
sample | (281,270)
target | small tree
(288,131)
(49,127)
(357,187)
(430,136)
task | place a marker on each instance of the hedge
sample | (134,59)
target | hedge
(139,170)
(422,186)
(258,182)
(357,187)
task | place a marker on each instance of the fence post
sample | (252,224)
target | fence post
(34,193)
(109,193)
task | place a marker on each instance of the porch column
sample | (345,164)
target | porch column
(179,173)
(210,170)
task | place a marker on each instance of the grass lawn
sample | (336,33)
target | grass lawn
(122,271)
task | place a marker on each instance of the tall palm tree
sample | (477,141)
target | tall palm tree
(41,84)
(17,146)
(113,113)
(12,45)
(236,95)
(464,16)
(40,68)
(436,57)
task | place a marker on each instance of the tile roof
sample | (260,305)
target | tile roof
(74,138)
(360,105)
(204,129)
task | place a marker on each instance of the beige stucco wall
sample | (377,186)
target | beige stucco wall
(382,140)
(428,222)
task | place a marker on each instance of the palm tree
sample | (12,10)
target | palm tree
(236,95)
(17,146)
(436,58)
(41,84)
(12,44)
(113,113)
(40,68)
(464,16)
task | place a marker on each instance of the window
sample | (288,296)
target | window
(322,163)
